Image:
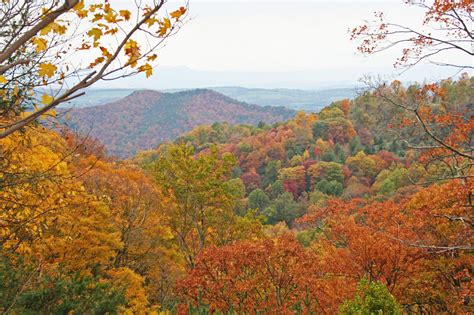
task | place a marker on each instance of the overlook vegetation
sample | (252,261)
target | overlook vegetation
(291,216)
(362,208)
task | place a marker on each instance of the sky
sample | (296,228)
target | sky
(268,43)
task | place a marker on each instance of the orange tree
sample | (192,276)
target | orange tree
(265,276)
(430,119)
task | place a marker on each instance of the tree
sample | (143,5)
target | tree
(258,276)
(371,298)
(431,122)
(271,173)
(363,166)
(201,198)
(389,180)
(330,171)
(24,290)
(445,33)
(332,187)
(251,179)
(258,199)
(355,146)
(282,209)
(34,56)
(320,129)
(137,209)
(294,180)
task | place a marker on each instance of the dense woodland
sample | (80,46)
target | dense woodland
(362,208)
(291,217)
(159,117)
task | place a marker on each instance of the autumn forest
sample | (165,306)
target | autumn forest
(365,207)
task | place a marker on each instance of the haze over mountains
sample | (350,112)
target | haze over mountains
(308,100)
(146,118)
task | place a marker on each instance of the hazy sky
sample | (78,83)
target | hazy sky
(280,36)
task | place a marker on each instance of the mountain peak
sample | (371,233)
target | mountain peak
(144,94)
(145,118)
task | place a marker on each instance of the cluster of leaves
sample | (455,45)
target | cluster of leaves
(52,50)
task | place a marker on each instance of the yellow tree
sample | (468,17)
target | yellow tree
(46,216)
(202,198)
(137,213)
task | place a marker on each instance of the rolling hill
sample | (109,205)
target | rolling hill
(296,99)
(145,118)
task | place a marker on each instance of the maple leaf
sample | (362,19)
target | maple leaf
(96,33)
(147,68)
(132,51)
(53,27)
(3,80)
(97,61)
(151,57)
(178,13)
(79,9)
(165,26)
(40,43)
(125,14)
(47,99)
(105,52)
(151,21)
(112,31)
(47,70)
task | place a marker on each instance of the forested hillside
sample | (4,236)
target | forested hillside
(311,214)
(163,116)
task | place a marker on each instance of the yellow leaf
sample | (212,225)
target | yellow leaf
(147,69)
(125,14)
(112,31)
(105,52)
(178,13)
(3,80)
(47,69)
(47,99)
(96,33)
(79,5)
(58,29)
(151,57)
(55,27)
(165,26)
(151,21)
(40,43)
(97,61)
(132,50)
(79,9)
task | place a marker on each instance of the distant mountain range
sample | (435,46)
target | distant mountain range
(143,119)
(307,100)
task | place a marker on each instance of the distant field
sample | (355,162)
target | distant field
(98,97)
(307,100)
